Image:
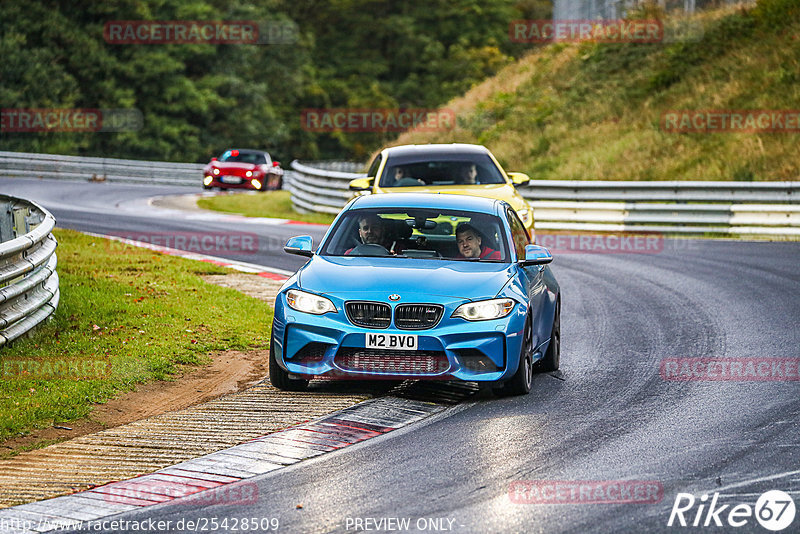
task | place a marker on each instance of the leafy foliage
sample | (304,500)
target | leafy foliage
(197,99)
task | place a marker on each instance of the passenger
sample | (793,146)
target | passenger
(469,243)
(468,174)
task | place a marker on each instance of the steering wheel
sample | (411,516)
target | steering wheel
(370,249)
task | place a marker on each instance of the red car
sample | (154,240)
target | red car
(243,169)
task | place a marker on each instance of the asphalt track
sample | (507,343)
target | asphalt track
(609,415)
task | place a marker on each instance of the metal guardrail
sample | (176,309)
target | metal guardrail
(29,291)
(25,165)
(690,207)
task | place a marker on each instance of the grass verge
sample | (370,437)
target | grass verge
(275,204)
(148,314)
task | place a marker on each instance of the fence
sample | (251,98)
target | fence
(24,165)
(28,279)
(691,207)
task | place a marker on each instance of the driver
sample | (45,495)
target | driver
(469,243)
(372,230)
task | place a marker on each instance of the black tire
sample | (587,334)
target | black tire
(521,382)
(280,378)
(552,357)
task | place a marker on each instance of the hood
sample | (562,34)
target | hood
(233,165)
(505,192)
(377,278)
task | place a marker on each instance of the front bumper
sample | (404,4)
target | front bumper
(246,183)
(331,346)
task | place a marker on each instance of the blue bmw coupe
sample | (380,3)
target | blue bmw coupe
(419,286)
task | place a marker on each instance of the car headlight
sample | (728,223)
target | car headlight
(207,180)
(484,310)
(308,302)
(249,174)
(525,215)
(216,171)
(256,183)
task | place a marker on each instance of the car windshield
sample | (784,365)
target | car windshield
(452,169)
(418,233)
(236,156)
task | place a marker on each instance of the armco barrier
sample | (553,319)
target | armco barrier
(28,280)
(690,207)
(25,165)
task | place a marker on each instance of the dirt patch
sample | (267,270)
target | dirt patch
(229,372)
(249,284)
(177,202)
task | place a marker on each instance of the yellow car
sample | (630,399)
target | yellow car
(456,168)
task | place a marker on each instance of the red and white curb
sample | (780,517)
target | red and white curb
(251,268)
(222,476)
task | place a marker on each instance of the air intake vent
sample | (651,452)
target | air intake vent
(417,316)
(395,362)
(369,314)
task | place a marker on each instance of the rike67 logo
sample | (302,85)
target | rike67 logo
(774,510)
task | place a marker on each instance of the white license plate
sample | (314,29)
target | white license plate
(231,180)
(391,341)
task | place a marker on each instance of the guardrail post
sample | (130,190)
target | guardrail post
(6,222)
(21,221)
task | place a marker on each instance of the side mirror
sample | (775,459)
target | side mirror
(276,163)
(214,159)
(519,178)
(361,184)
(300,245)
(536,255)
